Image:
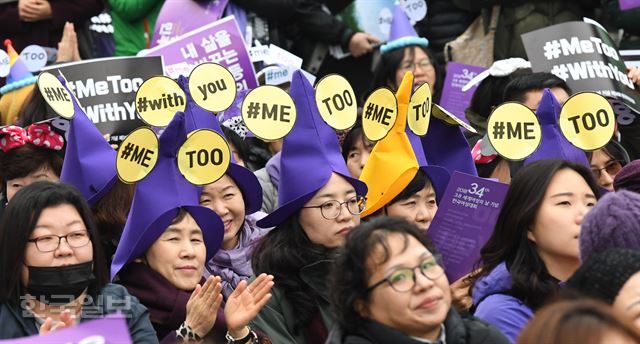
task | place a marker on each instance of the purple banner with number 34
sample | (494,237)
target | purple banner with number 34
(628,4)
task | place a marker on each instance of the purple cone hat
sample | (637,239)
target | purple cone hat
(553,144)
(89,161)
(445,145)
(198,118)
(158,199)
(402,34)
(310,155)
(439,176)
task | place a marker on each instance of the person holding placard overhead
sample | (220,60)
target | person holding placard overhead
(534,245)
(236,197)
(410,187)
(166,242)
(318,204)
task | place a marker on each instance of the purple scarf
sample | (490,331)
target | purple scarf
(234,265)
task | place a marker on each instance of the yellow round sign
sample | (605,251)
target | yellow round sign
(514,131)
(587,120)
(420,110)
(379,114)
(269,112)
(137,155)
(56,95)
(336,102)
(212,87)
(204,157)
(158,99)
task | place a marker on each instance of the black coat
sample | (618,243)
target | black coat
(458,330)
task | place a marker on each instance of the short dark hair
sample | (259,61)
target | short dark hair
(490,92)
(517,89)
(18,222)
(350,276)
(419,182)
(615,151)
(532,283)
(28,158)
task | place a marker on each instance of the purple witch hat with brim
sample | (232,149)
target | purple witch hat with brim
(158,199)
(310,155)
(553,144)
(402,34)
(445,145)
(89,161)
(198,118)
(439,176)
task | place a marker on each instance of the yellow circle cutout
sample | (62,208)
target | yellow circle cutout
(336,102)
(379,114)
(419,111)
(514,131)
(204,157)
(137,155)
(587,120)
(212,87)
(56,95)
(158,99)
(269,112)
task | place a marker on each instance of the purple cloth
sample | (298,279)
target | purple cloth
(445,145)
(234,265)
(273,169)
(496,307)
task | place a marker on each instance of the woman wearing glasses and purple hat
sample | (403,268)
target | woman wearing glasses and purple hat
(391,259)
(319,203)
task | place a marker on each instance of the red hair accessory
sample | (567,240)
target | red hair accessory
(40,135)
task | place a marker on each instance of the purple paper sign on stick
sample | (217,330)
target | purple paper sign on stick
(111,329)
(179,17)
(628,4)
(220,42)
(464,222)
(453,99)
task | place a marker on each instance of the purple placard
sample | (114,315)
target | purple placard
(112,329)
(628,4)
(453,99)
(220,42)
(179,17)
(464,221)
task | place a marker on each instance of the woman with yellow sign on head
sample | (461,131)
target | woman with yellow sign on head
(410,187)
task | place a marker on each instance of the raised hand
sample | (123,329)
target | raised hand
(202,307)
(66,320)
(245,303)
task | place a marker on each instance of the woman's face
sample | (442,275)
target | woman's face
(14,185)
(604,168)
(417,312)
(628,299)
(329,233)
(418,209)
(59,220)
(416,60)
(556,228)
(179,254)
(225,199)
(358,155)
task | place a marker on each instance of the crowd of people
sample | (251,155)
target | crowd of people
(322,236)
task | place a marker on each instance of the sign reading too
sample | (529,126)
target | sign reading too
(204,157)
(336,102)
(587,120)
(420,110)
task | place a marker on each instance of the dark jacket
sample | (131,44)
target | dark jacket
(458,330)
(113,298)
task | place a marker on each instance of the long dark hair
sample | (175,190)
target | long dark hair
(531,282)
(282,253)
(18,222)
(384,74)
(350,275)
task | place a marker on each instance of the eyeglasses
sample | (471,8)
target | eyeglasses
(424,65)
(48,243)
(403,280)
(332,209)
(612,167)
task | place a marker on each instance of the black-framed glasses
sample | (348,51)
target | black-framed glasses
(332,209)
(48,243)
(403,280)
(612,167)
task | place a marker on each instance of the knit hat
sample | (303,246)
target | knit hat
(402,34)
(614,222)
(628,178)
(604,274)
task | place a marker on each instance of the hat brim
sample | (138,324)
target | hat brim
(249,186)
